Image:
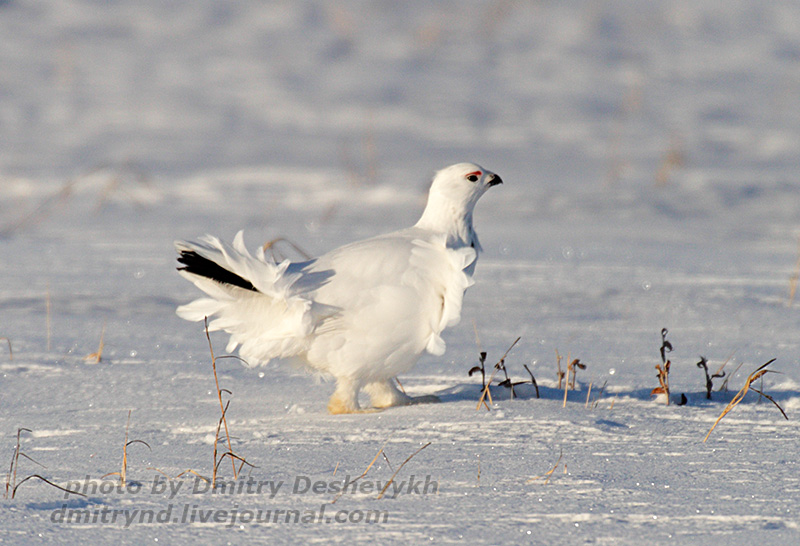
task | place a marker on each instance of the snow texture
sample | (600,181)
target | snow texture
(649,153)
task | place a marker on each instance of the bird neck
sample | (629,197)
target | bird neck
(454,220)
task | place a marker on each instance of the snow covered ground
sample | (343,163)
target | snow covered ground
(650,154)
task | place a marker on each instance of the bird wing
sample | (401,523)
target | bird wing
(395,289)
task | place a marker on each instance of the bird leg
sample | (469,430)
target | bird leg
(385,394)
(344,398)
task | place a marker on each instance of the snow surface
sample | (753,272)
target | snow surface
(650,154)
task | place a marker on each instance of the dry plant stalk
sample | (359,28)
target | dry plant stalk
(719,374)
(124,470)
(223,408)
(182,474)
(11,476)
(486,393)
(49,206)
(759,373)
(550,472)
(367,175)
(631,104)
(95,358)
(724,386)
(230,454)
(45,480)
(720,371)
(533,379)
(673,159)
(500,365)
(482,367)
(663,380)
(10,351)
(663,368)
(391,480)
(372,462)
(278,257)
(560,373)
(48,321)
(599,394)
(388,462)
(572,371)
(223,422)
(45,209)
(795,276)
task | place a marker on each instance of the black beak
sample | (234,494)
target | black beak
(495,180)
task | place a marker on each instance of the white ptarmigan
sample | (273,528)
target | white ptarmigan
(364,312)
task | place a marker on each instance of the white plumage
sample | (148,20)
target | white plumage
(364,312)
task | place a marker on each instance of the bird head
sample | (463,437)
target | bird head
(458,187)
(453,194)
(463,182)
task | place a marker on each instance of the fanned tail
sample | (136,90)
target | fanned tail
(250,297)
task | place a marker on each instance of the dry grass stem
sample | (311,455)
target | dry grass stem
(190,471)
(45,209)
(722,366)
(759,373)
(631,104)
(572,371)
(533,379)
(11,476)
(388,462)
(45,480)
(372,462)
(399,468)
(95,358)
(663,368)
(367,175)
(10,351)
(500,365)
(222,408)
(170,478)
(663,380)
(550,472)
(600,394)
(560,373)
(48,322)
(674,158)
(279,257)
(719,374)
(795,276)
(124,470)
(724,386)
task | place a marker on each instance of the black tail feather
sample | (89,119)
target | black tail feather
(198,265)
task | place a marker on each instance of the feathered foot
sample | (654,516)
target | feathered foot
(345,399)
(385,394)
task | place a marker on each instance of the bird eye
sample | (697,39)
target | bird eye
(472,177)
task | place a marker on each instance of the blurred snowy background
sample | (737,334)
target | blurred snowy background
(650,153)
